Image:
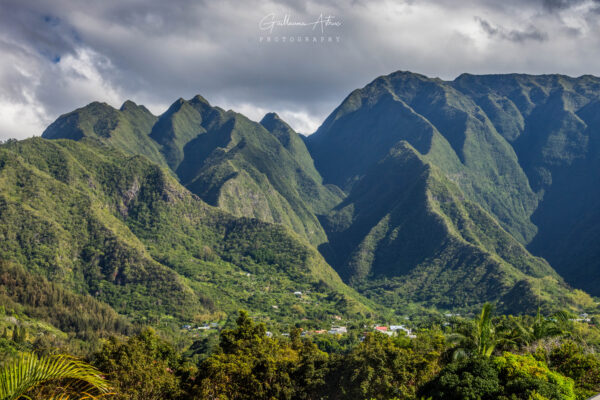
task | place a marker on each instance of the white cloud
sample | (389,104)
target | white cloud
(35,90)
(19,120)
(81,76)
(301,120)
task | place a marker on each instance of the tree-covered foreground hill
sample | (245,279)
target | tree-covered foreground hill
(485,358)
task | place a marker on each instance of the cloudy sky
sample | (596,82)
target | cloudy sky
(298,58)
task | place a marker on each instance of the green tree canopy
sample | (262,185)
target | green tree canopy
(145,367)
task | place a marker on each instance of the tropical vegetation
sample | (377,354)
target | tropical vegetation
(432,239)
(248,362)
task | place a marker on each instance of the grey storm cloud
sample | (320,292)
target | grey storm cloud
(554,5)
(514,35)
(58,55)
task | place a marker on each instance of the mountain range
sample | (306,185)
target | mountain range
(415,191)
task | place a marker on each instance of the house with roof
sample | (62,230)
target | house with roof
(384,330)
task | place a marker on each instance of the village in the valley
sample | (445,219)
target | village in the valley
(390,330)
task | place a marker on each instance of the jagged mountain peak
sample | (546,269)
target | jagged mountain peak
(481,154)
(198,99)
(133,108)
(272,121)
(270,116)
(128,105)
(174,107)
(99,104)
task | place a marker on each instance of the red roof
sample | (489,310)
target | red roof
(382,328)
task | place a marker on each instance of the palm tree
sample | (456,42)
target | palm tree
(542,328)
(479,338)
(28,373)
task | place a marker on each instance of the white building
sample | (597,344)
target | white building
(396,328)
(338,330)
(400,328)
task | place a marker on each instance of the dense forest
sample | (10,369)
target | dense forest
(488,357)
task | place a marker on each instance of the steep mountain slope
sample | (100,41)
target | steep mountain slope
(241,167)
(448,185)
(420,240)
(321,198)
(406,106)
(229,161)
(521,147)
(552,122)
(119,228)
(127,128)
(181,123)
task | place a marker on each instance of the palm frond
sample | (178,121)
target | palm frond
(456,339)
(485,331)
(460,354)
(30,371)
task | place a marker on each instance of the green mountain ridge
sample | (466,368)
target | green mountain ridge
(223,157)
(451,189)
(126,128)
(405,106)
(102,223)
(516,145)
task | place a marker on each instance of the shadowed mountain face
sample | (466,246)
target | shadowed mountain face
(421,239)
(438,121)
(414,189)
(552,122)
(523,148)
